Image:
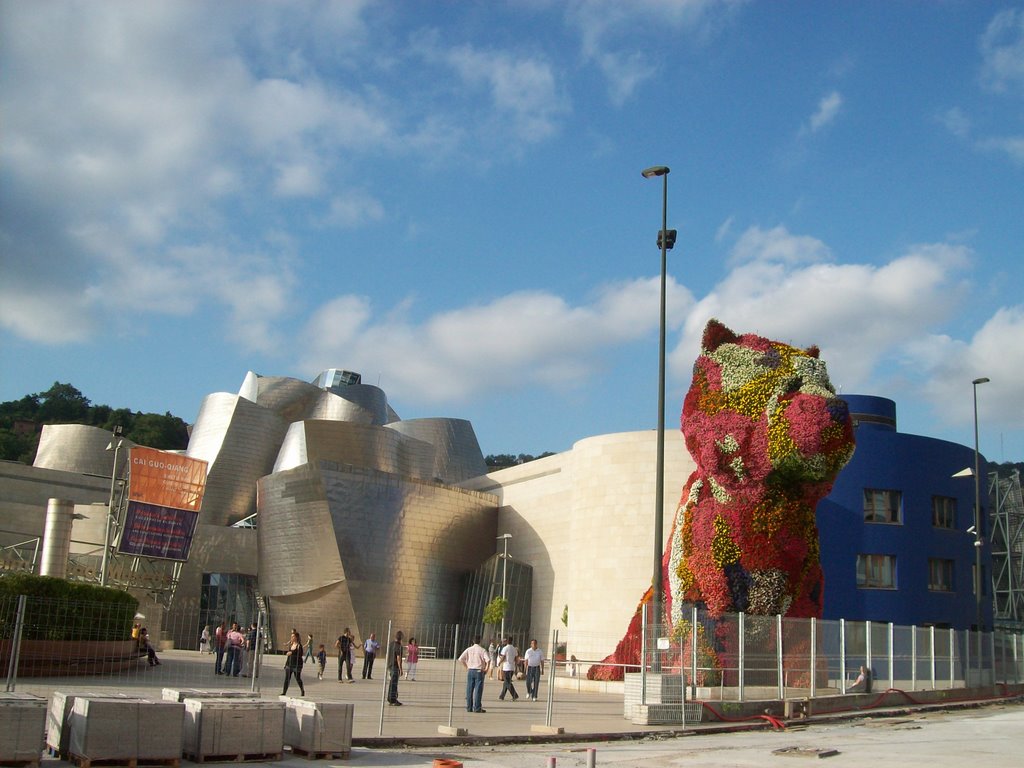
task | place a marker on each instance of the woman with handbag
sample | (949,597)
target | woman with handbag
(293,663)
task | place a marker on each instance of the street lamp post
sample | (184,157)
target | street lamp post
(504,581)
(115,446)
(666,239)
(977,509)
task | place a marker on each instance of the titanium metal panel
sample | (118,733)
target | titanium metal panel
(358,444)
(239,440)
(290,398)
(457,454)
(79,448)
(403,545)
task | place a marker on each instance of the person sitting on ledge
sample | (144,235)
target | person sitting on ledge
(863,682)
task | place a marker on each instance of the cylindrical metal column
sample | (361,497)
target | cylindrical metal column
(60,513)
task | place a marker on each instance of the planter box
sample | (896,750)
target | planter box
(113,729)
(318,728)
(52,658)
(22,724)
(235,729)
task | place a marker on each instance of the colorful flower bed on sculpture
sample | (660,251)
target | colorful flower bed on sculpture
(769,436)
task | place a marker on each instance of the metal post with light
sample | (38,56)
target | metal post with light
(115,446)
(666,239)
(977,510)
(504,581)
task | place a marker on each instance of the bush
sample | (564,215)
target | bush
(64,610)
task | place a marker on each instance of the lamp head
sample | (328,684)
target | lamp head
(654,170)
(982,380)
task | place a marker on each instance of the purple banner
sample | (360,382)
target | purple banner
(154,531)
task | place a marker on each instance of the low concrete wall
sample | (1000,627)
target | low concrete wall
(51,658)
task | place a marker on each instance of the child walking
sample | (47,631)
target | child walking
(321,658)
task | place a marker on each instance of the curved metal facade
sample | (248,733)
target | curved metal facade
(457,454)
(239,439)
(79,448)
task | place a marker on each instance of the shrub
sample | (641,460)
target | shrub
(64,610)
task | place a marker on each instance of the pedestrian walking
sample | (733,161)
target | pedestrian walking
(509,655)
(476,660)
(394,669)
(293,663)
(412,658)
(370,648)
(344,645)
(534,669)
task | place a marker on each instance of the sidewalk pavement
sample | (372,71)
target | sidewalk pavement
(436,698)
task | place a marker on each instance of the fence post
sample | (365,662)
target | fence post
(967,654)
(952,648)
(384,688)
(867,646)
(842,656)
(814,656)
(778,655)
(913,657)
(931,634)
(643,656)
(741,661)
(992,654)
(693,652)
(19,625)
(892,655)
(455,663)
(552,671)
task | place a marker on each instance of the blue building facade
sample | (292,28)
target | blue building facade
(897,543)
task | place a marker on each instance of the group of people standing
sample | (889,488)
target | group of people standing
(478,660)
(234,649)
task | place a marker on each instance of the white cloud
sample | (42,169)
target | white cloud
(1011,146)
(521,338)
(1002,50)
(956,122)
(352,209)
(777,244)
(948,366)
(828,109)
(524,89)
(609,30)
(858,314)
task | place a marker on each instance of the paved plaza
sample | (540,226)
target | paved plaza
(989,732)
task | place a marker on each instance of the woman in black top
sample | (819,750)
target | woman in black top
(293,663)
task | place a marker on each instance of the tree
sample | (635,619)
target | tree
(61,404)
(495,610)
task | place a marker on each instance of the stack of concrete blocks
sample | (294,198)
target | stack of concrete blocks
(58,717)
(111,729)
(236,729)
(22,723)
(180,694)
(318,729)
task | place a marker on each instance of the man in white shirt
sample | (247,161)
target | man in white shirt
(476,660)
(509,655)
(534,669)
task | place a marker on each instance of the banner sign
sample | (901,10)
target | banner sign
(155,531)
(165,494)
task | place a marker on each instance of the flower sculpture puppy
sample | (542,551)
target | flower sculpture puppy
(768,436)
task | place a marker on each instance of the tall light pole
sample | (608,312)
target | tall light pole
(977,509)
(504,581)
(666,239)
(115,446)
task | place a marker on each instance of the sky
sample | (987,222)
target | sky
(447,198)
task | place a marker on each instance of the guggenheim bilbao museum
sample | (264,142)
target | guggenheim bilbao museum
(320,501)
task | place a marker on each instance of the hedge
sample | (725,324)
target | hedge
(64,610)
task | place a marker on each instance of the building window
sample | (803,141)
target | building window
(943,512)
(883,506)
(876,571)
(940,575)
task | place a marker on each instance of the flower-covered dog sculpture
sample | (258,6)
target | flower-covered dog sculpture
(768,436)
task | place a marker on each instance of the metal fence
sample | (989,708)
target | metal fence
(740,657)
(48,644)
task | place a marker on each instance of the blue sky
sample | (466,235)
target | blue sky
(446,197)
